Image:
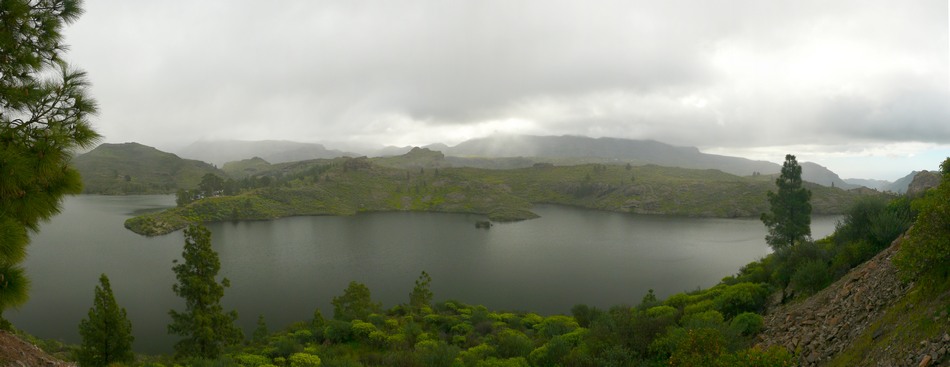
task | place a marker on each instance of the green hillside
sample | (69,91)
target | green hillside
(347,186)
(246,167)
(132,168)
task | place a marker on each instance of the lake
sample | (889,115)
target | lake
(286,268)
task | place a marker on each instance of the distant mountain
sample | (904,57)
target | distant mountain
(879,185)
(517,151)
(637,152)
(816,173)
(133,168)
(391,151)
(415,158)
(274,151)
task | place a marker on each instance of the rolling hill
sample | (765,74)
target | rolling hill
(132,168)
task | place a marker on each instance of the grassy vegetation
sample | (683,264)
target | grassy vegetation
(715,327)
(131,168)
(346,186)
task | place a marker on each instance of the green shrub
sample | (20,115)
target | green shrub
(698,307)
(753,272)
(511,343)
(378,338)
(462,329)
(361,328)
(747,323)
(303,336)
(775,356)
(435,353)
(530,320)
(556,325)
(340,361)
(584,314)
(700,347)
(926,250)
(510,362)
(473,355)
(811,277)
(667,312)
(707,319)
(251,360)
(678,301)
(338,331)
(742,297)
(552,353)
(304,360)
(285,346)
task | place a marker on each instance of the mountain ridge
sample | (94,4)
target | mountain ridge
(521,151)
(133,168)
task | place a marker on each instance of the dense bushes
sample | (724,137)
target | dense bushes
(870,226)
(451,333)
(926,252)
(742,297)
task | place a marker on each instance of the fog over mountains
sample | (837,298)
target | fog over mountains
(274,151)
(554,149)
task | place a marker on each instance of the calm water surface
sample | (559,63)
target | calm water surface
(284,269)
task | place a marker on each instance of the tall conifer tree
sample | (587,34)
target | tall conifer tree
(107,332)
(421,295)
(44,111)
(204,324)
(789,217)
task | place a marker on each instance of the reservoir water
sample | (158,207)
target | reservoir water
(286,268)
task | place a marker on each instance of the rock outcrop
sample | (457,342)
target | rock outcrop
(830,321)
(923,181)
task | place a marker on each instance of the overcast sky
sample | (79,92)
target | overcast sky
(858,86)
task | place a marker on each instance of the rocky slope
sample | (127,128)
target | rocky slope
(16,352)
(866,309)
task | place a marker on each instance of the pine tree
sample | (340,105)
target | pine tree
(206,328)
(260,332)
(107,332)
(421,295)
(44,110)
(789,218)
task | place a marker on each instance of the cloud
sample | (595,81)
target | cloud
(711,74)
